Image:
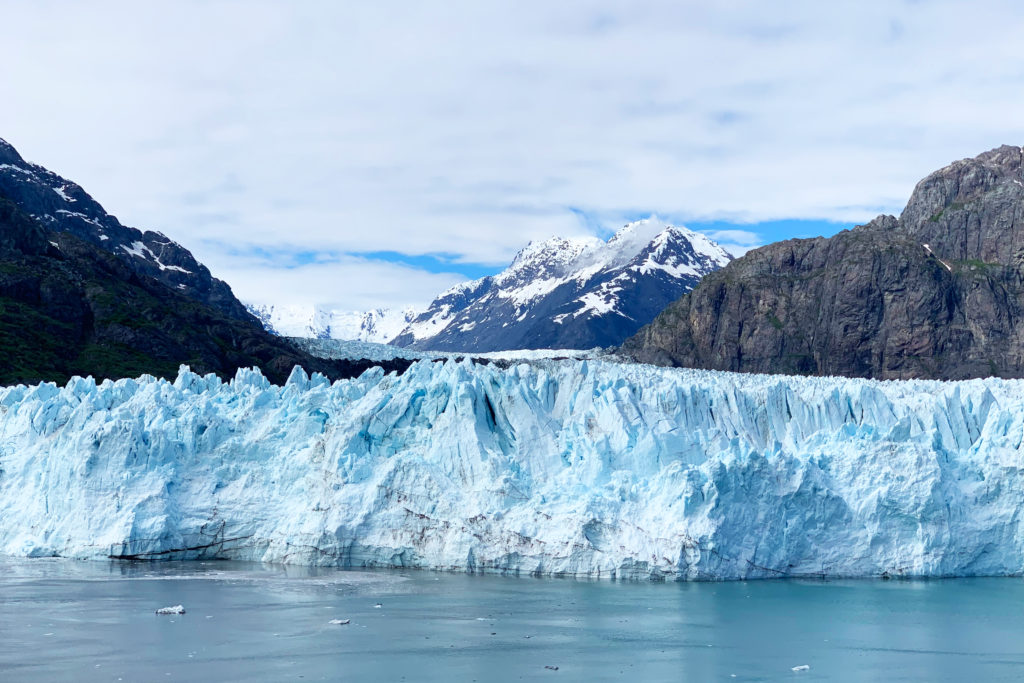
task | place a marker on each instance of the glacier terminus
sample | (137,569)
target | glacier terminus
(574,467)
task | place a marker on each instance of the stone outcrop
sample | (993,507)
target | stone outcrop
(936,293)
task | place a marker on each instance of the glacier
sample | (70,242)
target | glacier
(579,468)
(344,349)
(320,321)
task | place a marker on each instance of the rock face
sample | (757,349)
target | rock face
(569,293)
(63,206)
(937,293)
(71,306)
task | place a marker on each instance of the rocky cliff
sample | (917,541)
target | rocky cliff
(71,305)
(936,293)
(63,206)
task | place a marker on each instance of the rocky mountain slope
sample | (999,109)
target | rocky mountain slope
(936,293)
(569,293)
(71,306)
(63,206)
(378,326)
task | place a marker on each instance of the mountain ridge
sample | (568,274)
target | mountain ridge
(65,206)
(936,293)
(70,304)
(571,293)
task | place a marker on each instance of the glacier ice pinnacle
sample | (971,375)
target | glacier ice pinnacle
(584,468)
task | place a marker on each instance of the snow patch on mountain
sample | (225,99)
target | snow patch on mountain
(609,288)
(578,468)
(62,205)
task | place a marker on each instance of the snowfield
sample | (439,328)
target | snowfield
(376,326)
(584,468)
(357,350)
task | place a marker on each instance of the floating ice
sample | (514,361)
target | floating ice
(177,609)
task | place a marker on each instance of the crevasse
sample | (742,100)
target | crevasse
(575,467)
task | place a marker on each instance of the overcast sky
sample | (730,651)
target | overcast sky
(373,153)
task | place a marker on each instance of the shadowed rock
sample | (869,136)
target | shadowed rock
(936,293)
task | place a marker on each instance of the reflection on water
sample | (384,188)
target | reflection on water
(71,621)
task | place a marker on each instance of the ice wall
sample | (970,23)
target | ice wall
(585,468)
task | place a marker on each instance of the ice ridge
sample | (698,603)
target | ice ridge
(584,468)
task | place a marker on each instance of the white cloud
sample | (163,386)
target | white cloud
(737,250)
(736,242)
(471,128)
(735,237)
(358,284)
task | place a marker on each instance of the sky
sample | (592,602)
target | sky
(364,155)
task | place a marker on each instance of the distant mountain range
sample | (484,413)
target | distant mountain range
(81,294)
(569,293)
(935,293)
(379,326)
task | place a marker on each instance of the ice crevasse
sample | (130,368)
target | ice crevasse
(584,468)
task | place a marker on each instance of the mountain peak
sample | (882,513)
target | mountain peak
(85,295)
(569,292)
(9,155)
(651,236)
(701,243)
(963,194)
(61,205)
(552,252)
(936,293)
(644,228)
(1006,156)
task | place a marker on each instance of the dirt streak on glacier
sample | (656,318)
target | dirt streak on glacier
(581,468)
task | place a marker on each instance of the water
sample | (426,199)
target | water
(79,621)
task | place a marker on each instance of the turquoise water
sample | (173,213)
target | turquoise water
(82,621)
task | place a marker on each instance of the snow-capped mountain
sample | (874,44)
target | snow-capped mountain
(569,293)
(380,325)
(62,205)
(81,294)
(580,468)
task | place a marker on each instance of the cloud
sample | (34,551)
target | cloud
(735,237)
(352,283)
(738,250)
(471,128)
(736,242)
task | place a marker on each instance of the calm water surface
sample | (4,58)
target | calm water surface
(85,621)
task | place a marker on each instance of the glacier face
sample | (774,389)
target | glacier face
(555,467)
(341,349)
